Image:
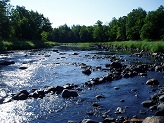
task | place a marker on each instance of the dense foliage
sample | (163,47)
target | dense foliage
(21,24)
(18,23)
(137,25)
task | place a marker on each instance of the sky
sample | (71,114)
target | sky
(85,12)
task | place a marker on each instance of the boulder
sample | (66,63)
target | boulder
(160,107)
(147,103)
(54,89)
(23,68)
(69,93)
(7,62)
(22,95)
(100,96)
(87,72)
(161,98)
(116,65)
(154,119)
(152,82)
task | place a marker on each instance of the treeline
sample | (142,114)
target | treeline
(18,23)
(137,25)
(21,24)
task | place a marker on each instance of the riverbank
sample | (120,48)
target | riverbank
(152,46)
(25,45)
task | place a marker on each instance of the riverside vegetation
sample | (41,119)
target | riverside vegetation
(24,29)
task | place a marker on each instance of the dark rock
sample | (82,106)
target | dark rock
(119,110)
(159,113)
(161,98)
(54,89)
(1,100)
(154,119)
(147,103)
(69,93)
(34,95)
(159,68)
(22,95)
(7,62)
(154,107)
(95,104)
(122,100)
(107,65)
(100,96)
(152,82)
(69,86)
(160,107)
(23,68)
(116,65)
(116,88)
(87,72)
(75,54)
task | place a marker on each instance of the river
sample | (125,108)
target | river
(60,66)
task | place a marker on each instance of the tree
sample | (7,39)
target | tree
(29,25)
(121,29)
(97,31)
(113,26)
(154,25)
(134,23)
(4,20)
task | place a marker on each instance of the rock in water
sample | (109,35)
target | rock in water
(87,72)
(152,82)
(69,93)
(147,103)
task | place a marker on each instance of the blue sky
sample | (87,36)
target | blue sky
(85,12)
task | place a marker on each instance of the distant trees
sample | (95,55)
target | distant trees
(21,24)
(137,25)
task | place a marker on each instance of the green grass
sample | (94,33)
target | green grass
(24,45)
(153,46)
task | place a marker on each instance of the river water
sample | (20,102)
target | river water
(49,67)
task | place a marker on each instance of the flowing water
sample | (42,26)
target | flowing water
(49,67)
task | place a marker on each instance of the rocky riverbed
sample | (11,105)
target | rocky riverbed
(72,85)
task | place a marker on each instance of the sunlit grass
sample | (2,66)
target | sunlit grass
(153,46)
(25,45)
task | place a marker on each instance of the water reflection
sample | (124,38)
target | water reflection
(49,68)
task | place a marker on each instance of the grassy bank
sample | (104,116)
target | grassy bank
(24,45)
(153,46)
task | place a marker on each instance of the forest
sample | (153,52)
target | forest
(18,23)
